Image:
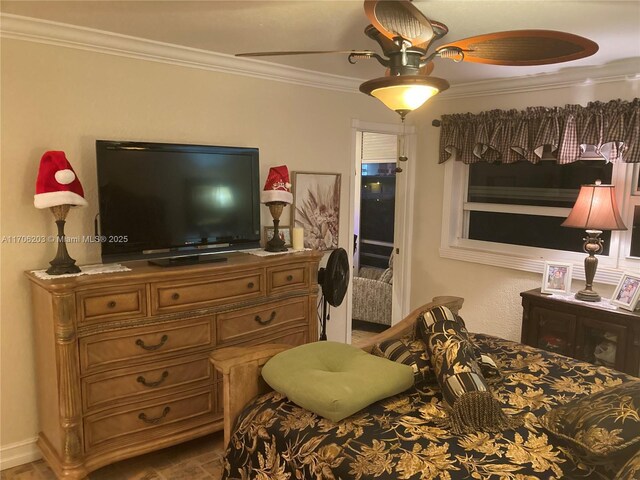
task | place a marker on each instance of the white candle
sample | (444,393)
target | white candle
(298,238)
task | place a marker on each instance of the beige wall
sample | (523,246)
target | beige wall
(59,98)
(492,300)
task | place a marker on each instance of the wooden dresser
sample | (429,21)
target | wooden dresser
(122,358)
(596,332)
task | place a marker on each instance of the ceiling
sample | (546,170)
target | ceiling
(273,25)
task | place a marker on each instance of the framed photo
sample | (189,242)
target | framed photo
(284,232)
(627,293)
(556,277)
(316,208)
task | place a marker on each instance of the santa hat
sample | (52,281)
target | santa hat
(57,183)
(277,187)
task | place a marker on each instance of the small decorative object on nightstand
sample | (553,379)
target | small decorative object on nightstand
(276,194)
(58,188)
(595,210)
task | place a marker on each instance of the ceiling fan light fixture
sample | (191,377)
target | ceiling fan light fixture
(404,93)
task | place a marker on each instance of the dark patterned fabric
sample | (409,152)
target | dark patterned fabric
(600,425)
(470,402)
(427,319)
(509,136)
(631,469)
(410,352)
(400,438)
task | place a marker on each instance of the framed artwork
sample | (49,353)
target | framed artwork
(316,208)
(556,277)
(627,293)
(285,234)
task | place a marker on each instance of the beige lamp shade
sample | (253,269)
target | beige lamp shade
(595,209)
(404,93)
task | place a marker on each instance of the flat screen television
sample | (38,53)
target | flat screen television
(176,202)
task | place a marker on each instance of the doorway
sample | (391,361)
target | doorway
(381,212)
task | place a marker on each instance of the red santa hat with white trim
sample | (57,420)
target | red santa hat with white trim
(57,183)
(277,187)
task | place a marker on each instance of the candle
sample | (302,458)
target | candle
(298,238)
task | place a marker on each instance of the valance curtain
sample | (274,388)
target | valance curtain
(508,136)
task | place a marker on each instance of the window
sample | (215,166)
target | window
(510,214)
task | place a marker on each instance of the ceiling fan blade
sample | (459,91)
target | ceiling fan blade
(305,52)
(426,70)
(399,18)
(524,47)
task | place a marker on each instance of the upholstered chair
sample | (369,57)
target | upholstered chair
(372,294)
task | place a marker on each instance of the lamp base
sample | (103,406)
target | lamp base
(62,263)
(587,296)
(276,244)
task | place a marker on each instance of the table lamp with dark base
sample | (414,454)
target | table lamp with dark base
(276,244)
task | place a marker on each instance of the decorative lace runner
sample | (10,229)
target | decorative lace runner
(263,253)
(96,269)
(604,303)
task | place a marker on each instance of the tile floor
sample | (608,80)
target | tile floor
(199,459)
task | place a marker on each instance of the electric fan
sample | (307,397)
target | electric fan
(333,280)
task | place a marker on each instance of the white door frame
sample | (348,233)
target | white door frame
(403,226)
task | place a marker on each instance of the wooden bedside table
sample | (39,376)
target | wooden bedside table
(596,332)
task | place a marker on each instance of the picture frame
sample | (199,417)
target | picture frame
(316,208)
(557,277)
(627,292)
(285,234)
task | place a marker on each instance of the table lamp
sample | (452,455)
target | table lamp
(595,210)
(58,188)
(276,194)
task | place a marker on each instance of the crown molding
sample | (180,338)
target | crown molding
(622,70)
(60,34)
(29,29)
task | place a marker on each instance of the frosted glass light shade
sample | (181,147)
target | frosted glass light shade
(404,93)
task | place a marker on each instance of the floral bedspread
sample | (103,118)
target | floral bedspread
(401,437)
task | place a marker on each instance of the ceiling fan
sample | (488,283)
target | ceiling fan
(406,35)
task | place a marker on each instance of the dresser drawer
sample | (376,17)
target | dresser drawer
(112,303)
(258,321)
(106,389)
(288,277)
(139,344)
(206,292)
(149,418)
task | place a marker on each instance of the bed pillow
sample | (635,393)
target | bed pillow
(335,380)
(471,404)
(409,352)
(426,319)
(601,425)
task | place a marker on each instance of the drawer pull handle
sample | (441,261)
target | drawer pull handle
(157,383)
(111,304)
(250,285)
(289,278)
(267,321)
(153,421)
(175,296)
(163,340)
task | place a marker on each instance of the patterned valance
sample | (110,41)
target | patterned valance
(508,136)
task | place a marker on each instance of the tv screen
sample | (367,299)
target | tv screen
(162,200)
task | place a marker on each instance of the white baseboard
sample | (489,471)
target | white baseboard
(19,453)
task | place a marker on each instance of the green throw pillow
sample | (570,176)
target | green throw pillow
(601,425)
(335,380)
